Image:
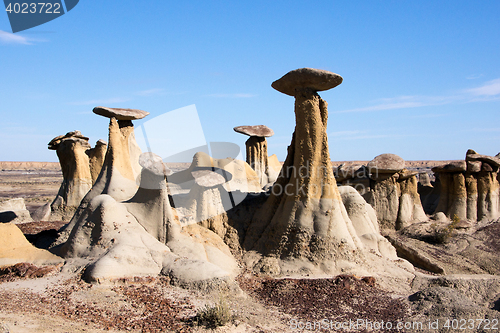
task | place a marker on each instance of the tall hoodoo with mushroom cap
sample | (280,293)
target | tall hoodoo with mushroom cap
(120,167)
(256,149)
(77,180)
(304,217)
(122,230)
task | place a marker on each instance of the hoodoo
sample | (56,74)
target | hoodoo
(256,149)
(303,226)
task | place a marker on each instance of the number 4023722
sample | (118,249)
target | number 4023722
(33,8)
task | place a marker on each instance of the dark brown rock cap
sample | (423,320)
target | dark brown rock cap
(386,163)
(350,171)
(302,78)
(455,166)
(261,131)
(484,158)
(120,114)
(71,136)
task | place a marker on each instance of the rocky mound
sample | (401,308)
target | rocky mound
(14,249)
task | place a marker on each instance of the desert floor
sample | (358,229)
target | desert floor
(56,299)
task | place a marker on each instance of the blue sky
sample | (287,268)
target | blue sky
(421,78)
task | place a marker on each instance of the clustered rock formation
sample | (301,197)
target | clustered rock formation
(127,230)
(470,188)
(134,217)
(79,163)
(388,187)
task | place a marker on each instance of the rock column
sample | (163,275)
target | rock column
(77,180)
(304,217)
(256,150)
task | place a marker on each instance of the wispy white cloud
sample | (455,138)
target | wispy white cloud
(151,92)
(490,88)
(103,102)
(10,38)
(232,95)
(487,92)
(404,102)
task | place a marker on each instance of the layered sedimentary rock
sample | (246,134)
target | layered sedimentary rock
(303,227)
(121,164)
(96,158)
(388,187)
(470,188)
(117,177)
(410,206)
(256,149)
(122,230)
(244,178)
(207,205)
(77,180)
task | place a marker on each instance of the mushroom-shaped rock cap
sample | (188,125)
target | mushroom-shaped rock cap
(101,142)
(315,79)
(386,163)
(210,176)
(72,136)
(120,114)
(454,166)
(261,131)
(483,158)
(154,164)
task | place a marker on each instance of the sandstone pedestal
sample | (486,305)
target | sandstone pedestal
(121,230)
(303,227)
(470,188)
(256,150)
(77,180)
